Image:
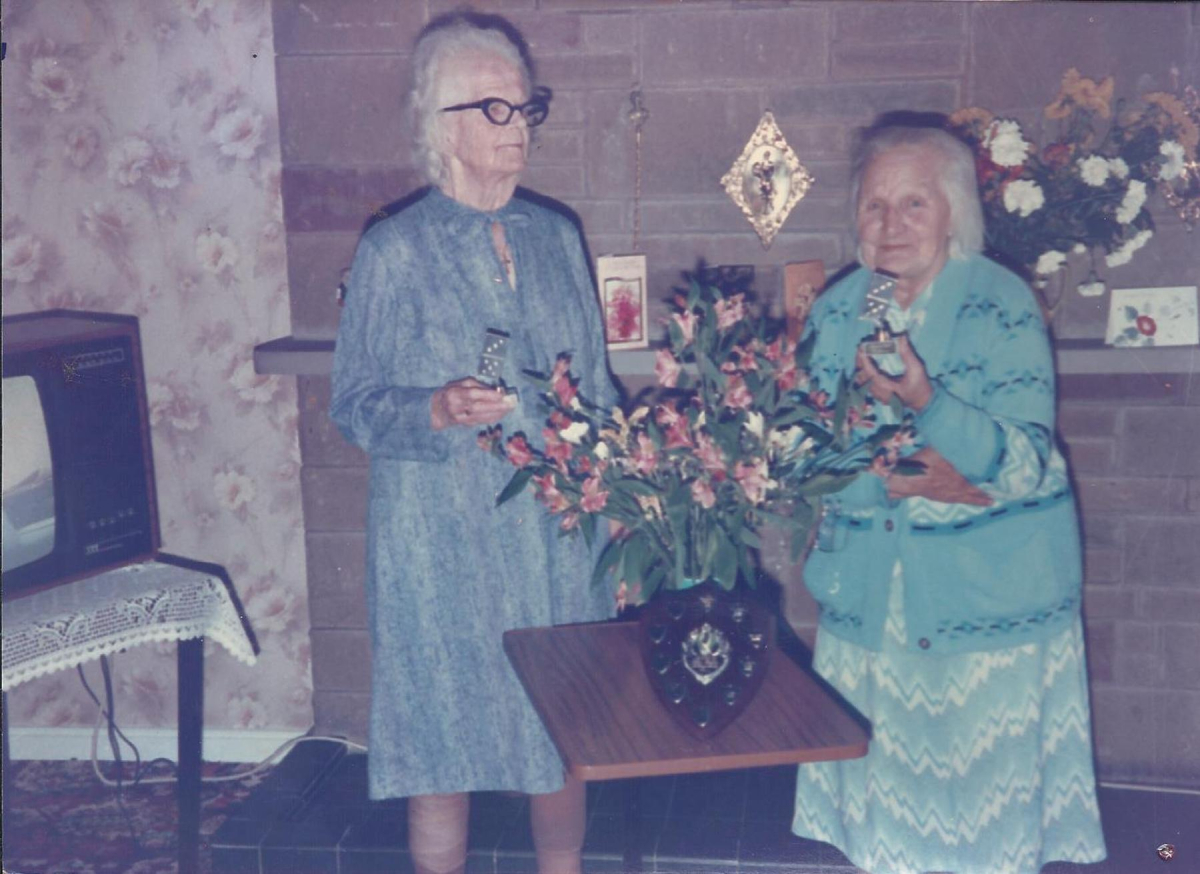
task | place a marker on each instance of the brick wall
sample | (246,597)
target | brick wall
(707,71)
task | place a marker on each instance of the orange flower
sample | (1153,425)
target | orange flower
(1185,126)
(1085,93)
(971,117)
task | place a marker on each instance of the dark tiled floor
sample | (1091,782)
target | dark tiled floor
(312,815)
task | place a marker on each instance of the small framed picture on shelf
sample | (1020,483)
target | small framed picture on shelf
(1141,317)
(622,287)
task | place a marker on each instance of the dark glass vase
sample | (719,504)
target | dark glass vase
(706,652)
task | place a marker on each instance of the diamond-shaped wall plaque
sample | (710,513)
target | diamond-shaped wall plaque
(767,179)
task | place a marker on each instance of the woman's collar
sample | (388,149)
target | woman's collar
(458,213)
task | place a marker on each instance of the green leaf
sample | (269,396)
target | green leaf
(515,485)
(588,524)
(725,562)
(826,484)
(609,559)
(633,565)
(709,370)
(655,577)
(841,406)
(631,485)
(750,538)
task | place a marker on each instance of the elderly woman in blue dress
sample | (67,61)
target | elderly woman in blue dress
(447,571)
(950,600)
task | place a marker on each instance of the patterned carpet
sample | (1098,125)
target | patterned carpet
(62,819)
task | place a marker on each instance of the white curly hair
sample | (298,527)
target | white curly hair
(436,83)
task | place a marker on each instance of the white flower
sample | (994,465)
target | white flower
(105,225)
(1118,256)
(238,133)
(1124,253)
(1094,170)
(1023,196)
(246,711)
(1118,168)
(601,450)
(52,82)
(127,159)
(270,608)
(216,252)
(1050,262)
(1079,248)
(163,170)
(783,438)
(233,489)
(22,258)
(1173,166)
(175,409)
(1006,145)
(251,386)
(754,424)
(1091,289)
(81,145)
(574,432)
(1131,204)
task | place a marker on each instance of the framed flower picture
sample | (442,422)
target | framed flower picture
(1139,317)
(621,281)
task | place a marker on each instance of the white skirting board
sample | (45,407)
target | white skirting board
(220,745)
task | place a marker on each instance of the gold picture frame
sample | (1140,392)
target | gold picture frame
(767,180)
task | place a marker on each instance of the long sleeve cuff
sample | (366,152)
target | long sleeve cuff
(966,436)
(394,423)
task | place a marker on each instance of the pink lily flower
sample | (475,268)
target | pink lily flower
(667,368)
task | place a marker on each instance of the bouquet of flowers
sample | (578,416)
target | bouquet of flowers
(735,437)
(1084,191)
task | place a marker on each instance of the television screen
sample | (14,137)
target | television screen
(28,475)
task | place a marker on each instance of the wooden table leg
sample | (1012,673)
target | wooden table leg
(191,741)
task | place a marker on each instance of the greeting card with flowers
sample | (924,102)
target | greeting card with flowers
(622,283)
(1084,191)
(1153,317)
(734,438)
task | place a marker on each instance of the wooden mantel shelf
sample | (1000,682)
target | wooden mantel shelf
(314,357)
(290,355)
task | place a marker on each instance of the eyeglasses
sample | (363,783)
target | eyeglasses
(499,111)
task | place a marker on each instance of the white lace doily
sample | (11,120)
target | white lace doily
(74,623)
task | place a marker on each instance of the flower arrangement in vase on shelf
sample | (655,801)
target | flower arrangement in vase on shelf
(1085,191)
(734,439)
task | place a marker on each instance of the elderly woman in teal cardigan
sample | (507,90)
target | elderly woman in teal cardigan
(949,600)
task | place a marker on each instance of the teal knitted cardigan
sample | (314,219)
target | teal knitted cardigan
(975,578)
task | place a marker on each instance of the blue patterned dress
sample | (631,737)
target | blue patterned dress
(448,572)
(980,761)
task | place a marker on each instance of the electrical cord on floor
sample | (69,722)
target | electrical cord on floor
(113,733)
(106,719)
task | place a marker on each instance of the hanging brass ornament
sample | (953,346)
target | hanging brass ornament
(767,180)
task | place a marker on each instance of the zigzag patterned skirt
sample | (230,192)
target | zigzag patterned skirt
(980,763)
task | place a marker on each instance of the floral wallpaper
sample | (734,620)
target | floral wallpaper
(141,174)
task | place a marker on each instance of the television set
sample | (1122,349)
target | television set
(77,467)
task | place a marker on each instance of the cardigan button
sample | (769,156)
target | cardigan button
(923,643)
(889,525)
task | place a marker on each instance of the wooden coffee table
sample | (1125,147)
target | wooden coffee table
(588,685)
